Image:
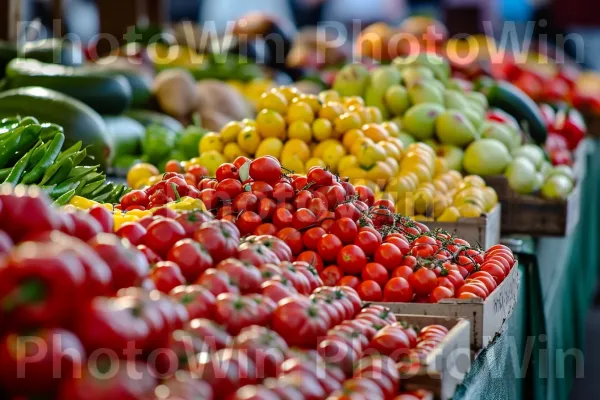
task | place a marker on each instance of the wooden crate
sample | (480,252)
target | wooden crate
(534,215)
(445,367)
(487,317)
(483,231)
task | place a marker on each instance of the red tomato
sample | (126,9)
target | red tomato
(310,272)
(320,176)
(311,237)
(283,192)
(370,291)
(399,242)
(365,194)
(350,281)
(303,218)
(192,220)
(329,246)
(385,203)
(423,281)
(388,255)
(367,241)
(298,280)
(245,201)
(266,169)
(345,229)
(300,322)
(220,238)
(265,229)
(151,256)
(318,206)
(266,208)
(227,170)
(277,290)
(402,271)
(473,289)
(209,198)
(312,258)
(264,347)
(351,259)
(391,341)
(495,270)
(506,265)
(166,275)
(191,257)
(489,283)
(347,210)
(439,293)
(133,232)
(162,234)
(335,196)
(331,275)
(282,218)
(243,275)
(375,272)
(398,290)
(293,238)
(198,301)
(217,282)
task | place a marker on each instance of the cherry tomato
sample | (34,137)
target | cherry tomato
(320,176)
(266,208)
(350,281)
(133,232)
(335,196)
(398,290)
(347,210)
(495,270)
(365,194)
(227,170)
(351,259)
(282,218)
(399,242)
(385,203)
(473,289)
(423,281)
(266,169)
(245,201)
(311,237)
(293,238)
(375,272)
(312,258)
(266,229)
(370,291)
(329,246)
(331,275)
(388,255)
(367,241)
(402,271)
(345,229)
(303,218)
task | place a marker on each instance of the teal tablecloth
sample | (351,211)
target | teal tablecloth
(538,354)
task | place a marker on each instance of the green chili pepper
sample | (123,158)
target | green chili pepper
(82,171)
(68,152)
(90,187)
(37,156)
(79,156)
(62,172)
(63,188)
(107,188)
(21,141)
(65,198)
(17,171)
(29,121)
(50,130)
(4,172)
(44,164)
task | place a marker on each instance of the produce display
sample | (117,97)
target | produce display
(203,324)
(32,153)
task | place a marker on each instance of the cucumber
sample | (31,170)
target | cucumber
(54,51)
(105,94)
(8,51)
(78,120)
(148,118)
(514,101)
(126,134)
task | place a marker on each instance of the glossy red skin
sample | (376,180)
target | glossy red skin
(293,238)
(127,264)
(350,281)
(260,189)
(235,312)
(244,276)
(59,346)
(329,246)
(318,205)
(312,258)
(133,232)
(192,220)
(400,243)
(265,169)
(277,246)
(347,210)
(297,278)
(162,234)
(85,227)
(331,275)
(388,255)
(225,171)
(495,270)
(191,257)
(335,196)
(276,290)
(303,218)
(6,243)
(283,192)
(220,238)
(473,289)
(212,334)
(245,201)
(440,293)
(375,272)
(398,290)
(351,259)
(266,229)
(299,322)
(198,301)
(225,371)
(166,276)
(217,282)
(367,241)
(150,255)
(320,176)
(104,218)
(265,307)
(392,342)
(311,237)
(345,229)
(302,198)
(264,347)
(370,291)
(423,281)
(93,385)
(282,218)
(210,198)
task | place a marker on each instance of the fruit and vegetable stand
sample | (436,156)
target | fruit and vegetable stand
(559,278)
(357,228)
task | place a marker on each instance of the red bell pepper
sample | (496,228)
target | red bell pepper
(569,124)
(548,114)
(28,364)
(41,285)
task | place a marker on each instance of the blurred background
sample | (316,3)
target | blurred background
(530,17)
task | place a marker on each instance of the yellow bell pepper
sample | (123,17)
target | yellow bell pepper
(82,203)
(187,204)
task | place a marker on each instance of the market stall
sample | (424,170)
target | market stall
(411,230)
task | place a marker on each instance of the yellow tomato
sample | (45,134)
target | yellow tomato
(392,128)
(322,129)
(356,101)
(473,181)
(421,171)
(249,139)
(210,141)
(332,155)
(346,122)
(273,100)
(139,172)
(368,154)
(230,131)
(354,173)
(351,137)
(379,173)
(391,150)
(375,114)
(310,99)
(296,147)
(293,163)
(320,148)
(300,111)
(231,151)
(270,124)
(300,130)
(441,166)
(375,132)
(347,162)
(290,92)
(331,111)
(314,162)
(358,143)
(269,147)
(329,95)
